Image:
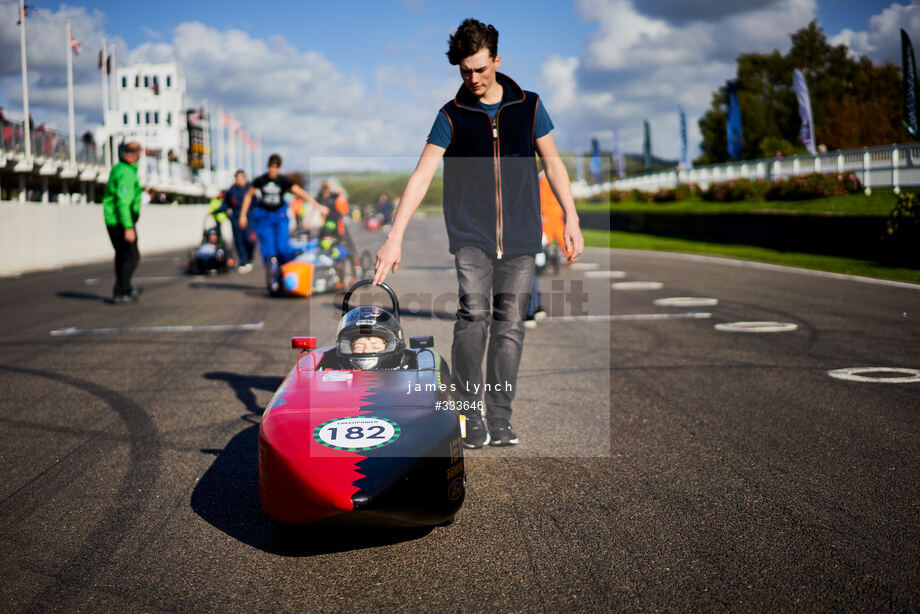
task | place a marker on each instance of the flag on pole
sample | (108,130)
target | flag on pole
(618,153)
(684,155)
(595,161)
(807,131)
(108,65)
(26,9)
(75,45)
(194,117)
(909,77)
(647,145)
(733,123)
(101,58)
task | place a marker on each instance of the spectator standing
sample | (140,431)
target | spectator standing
(121,208)
(242,237)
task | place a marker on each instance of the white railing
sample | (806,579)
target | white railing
(893,166)
(50,160)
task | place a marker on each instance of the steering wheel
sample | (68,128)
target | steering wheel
(370,282)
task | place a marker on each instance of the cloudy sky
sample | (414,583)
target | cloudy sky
(362,79)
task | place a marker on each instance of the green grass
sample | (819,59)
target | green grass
(833,264)
(880,202)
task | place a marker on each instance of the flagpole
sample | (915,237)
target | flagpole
(232,145)
(70,117)
(113,102)
(27,128)
(220,144)
(107,147)
(258,155)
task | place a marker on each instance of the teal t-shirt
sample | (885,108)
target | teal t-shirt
(440,134)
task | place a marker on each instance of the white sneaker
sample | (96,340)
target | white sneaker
(539,314)
(245,268)
(530,323)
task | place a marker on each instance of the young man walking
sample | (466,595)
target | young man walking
(270,219)
(488,136)
(121,207)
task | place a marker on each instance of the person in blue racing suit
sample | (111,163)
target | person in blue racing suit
(270,218)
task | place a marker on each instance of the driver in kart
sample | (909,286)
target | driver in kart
(370,337)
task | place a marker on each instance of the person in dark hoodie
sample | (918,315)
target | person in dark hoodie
(488,136)
(233,205)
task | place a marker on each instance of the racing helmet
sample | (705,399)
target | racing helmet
(370,321)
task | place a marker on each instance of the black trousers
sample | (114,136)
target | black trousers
(127,258)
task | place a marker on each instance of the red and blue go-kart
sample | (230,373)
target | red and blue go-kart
(363,446)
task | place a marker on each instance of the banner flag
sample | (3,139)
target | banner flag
(684,155)
(75,45)
(595,160)
(909,78)
(807,131)
(618,153)
(733,123)
(647,146)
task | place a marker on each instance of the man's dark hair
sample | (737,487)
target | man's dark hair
(241,172)
(470,37)
(274,160)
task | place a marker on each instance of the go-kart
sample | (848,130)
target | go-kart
(366,447)
(212,256)
(324,264)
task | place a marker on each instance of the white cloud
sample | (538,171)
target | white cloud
(881,40)
(642,61)
(298,101)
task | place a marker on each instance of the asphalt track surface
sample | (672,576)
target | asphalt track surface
(664,465)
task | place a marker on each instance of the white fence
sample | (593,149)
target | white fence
(893,166)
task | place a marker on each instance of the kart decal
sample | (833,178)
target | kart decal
(357,433)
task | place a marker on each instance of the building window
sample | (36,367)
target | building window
(138,118)
(156,117)
(168,80)
(124,118)
(147,117)
(124,82)
(168,115)
(137,80)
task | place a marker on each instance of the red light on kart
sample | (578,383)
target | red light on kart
(303,343)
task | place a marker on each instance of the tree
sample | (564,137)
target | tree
(855,103)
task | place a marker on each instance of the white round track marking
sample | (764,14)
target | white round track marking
(686,301)
(637,285)
(605,274)
(757,327)
(856,374)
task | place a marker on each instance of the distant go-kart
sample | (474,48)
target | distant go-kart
(212,256)
(326,264)
(378,445)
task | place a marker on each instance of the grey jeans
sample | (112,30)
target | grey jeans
(493,298)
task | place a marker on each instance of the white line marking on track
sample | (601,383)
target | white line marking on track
(606,274)
(748,264)
(583,266)
(637,285)
(686,301)
(70,331)
(693,315)
(757,327)
(855,374)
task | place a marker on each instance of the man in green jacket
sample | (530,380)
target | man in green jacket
(121,207)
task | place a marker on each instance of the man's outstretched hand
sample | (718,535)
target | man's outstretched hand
(387,260)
